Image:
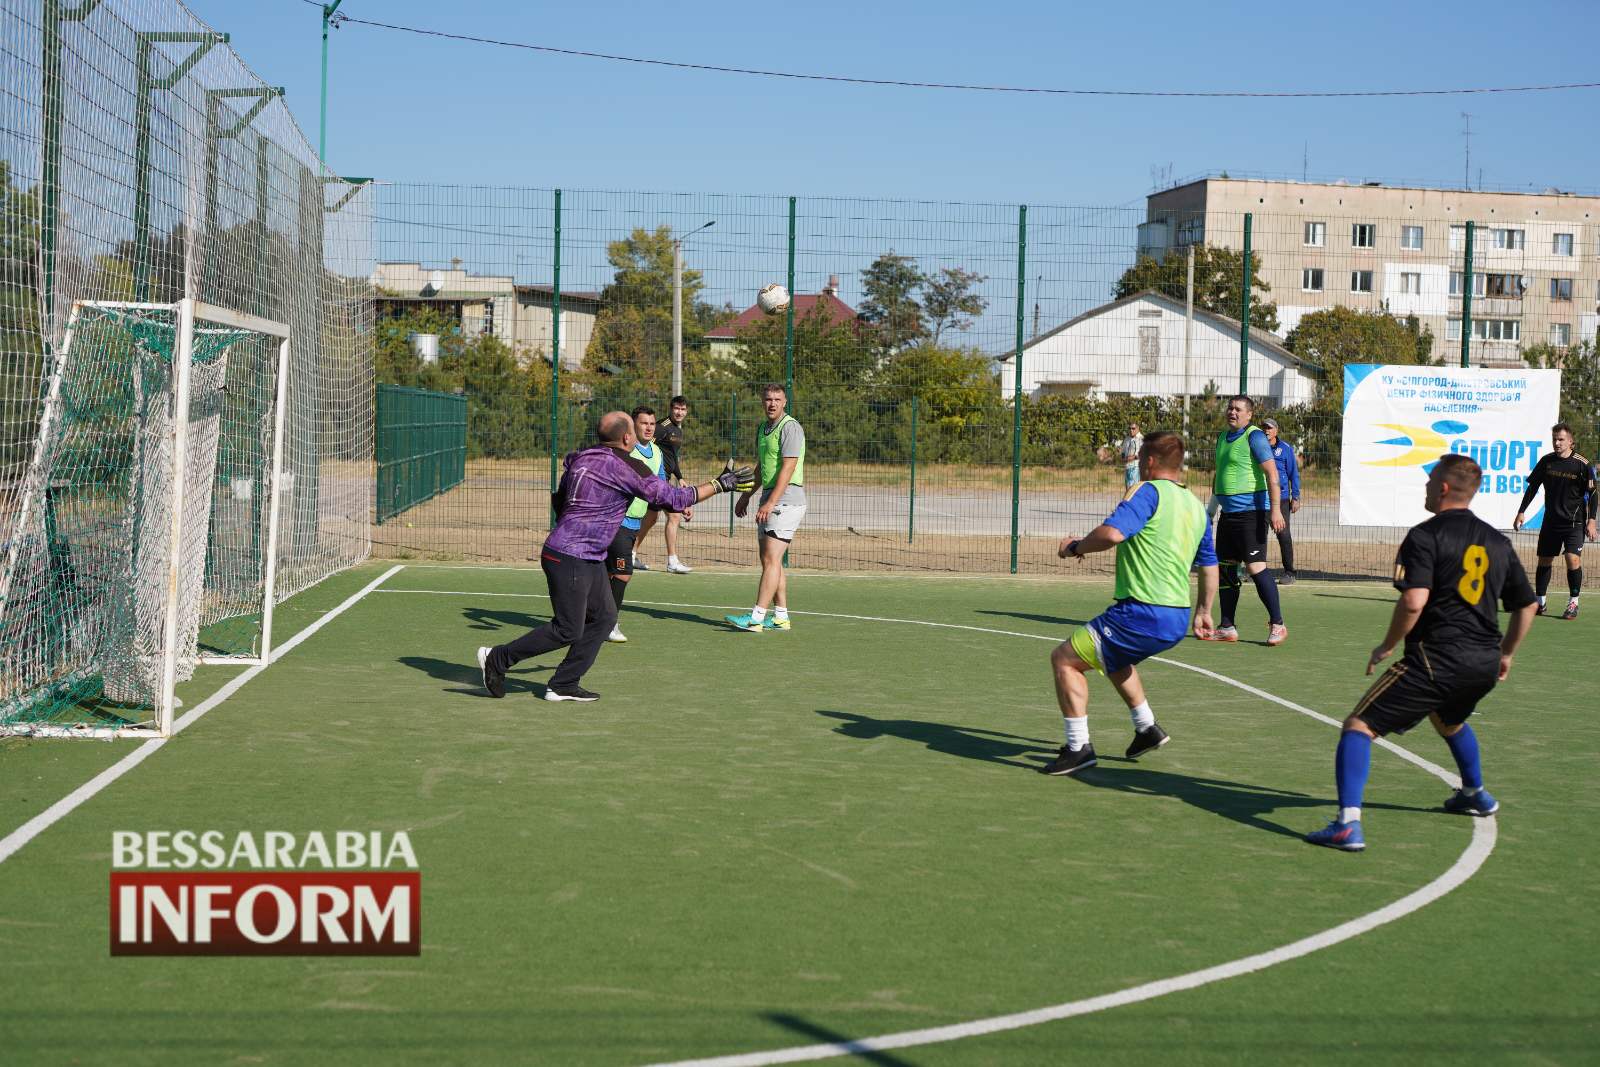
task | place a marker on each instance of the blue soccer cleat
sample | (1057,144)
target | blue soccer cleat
(1480,803)
(772,622)
(744,622)
(1345,836)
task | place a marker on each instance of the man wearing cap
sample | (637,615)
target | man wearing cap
(1289,488)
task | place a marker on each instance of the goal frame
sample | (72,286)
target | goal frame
(188,312)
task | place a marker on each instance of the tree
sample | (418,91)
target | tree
(1334,336)
(955,386)
(949,301)
(1580,382)
(890,303)
(1218,282)
(633,328)
(828,354)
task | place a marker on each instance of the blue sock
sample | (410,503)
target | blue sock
(1351,762)
(1464,747)
(1268,591)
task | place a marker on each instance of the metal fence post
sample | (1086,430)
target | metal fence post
(788,321)
(1244,312)
(1016,391)
(1466,300)
(733,447)
(911,510)
(555,357)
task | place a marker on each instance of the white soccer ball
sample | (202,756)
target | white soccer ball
(773,299)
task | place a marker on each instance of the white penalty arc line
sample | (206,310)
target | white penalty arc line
(16,839)
(1466,865)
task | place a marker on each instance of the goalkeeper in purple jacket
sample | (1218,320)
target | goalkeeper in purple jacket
(598,485)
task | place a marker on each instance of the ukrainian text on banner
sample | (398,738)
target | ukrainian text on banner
(1398,421)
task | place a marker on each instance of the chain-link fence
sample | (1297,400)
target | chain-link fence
(966,373)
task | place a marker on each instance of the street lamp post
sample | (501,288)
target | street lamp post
(677,306)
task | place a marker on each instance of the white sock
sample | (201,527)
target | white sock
(674,559)
(1541,602)
(758,613)
(1077,733)
(1349,814)
(1142,716)
(780,613)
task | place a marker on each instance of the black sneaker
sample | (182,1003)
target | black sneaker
(570,692)
(494,681)
(1149,739)
(1069,762)
(1540,609)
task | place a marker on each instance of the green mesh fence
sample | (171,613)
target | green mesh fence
(928,446)
(421,447)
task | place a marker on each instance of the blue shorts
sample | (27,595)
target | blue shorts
(1127,633)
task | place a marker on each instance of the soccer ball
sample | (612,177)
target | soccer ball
(773,299)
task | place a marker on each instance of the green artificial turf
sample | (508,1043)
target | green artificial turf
(764,840)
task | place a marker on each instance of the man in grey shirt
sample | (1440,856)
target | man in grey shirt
(781,467)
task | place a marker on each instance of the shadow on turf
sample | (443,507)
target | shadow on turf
(466,675)
(833,1037)
(968,742)
(491,619)
(1048,620)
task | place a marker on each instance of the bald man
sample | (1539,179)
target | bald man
(596,488)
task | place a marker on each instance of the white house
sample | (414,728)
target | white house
(1135,347)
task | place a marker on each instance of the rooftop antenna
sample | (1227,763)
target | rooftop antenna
(1466,135)
(1037,283)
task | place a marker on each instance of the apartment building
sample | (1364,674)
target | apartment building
(1376,247)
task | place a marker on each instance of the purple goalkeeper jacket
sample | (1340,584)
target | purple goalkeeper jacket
(598,485)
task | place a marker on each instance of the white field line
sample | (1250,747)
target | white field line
(12,842)
(753,571)
(1465,866)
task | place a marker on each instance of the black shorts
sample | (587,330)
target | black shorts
(1242,537)
(1424,683)
(619,557)
(1556,540)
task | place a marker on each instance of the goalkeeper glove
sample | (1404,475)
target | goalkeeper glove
(736,479)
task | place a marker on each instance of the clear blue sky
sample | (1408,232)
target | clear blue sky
(409,108)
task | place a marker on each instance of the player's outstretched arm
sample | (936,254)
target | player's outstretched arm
(1098,539)
(1407,610)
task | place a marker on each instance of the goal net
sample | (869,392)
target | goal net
(143,538)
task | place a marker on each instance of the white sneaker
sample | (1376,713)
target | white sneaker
(639,564)
(674,566)
(617,635)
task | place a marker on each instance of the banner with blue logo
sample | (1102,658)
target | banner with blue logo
(1398,421)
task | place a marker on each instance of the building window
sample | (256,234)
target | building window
(1410,282)
(1363,235)
(1458,238)
(1316,234)
(1311,280)
(1563,244)
(1411,237)
(1191,232)
(1361,281)
(1452,329)
(1503,286)
(1149,349)
(1455,284)
(1560,288)
(1497,329)
(1561,334)
(1509,239)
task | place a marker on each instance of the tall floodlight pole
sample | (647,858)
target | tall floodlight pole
(677,306)
(322,127)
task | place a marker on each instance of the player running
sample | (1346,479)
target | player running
(1570,502)
(598,486)
(1246,486)
(781,463)
(1452,572)
(1159,531)
(669,437)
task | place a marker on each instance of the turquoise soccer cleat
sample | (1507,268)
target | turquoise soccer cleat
(772,622)
(745,622)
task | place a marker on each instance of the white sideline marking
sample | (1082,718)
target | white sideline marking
(1466,865)
(12,842)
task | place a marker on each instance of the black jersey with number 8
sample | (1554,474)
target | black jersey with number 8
(1470,571)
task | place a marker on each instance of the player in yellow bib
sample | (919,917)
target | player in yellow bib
(1160,532)
(781,469)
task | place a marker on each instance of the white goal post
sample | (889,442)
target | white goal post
(133,628)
